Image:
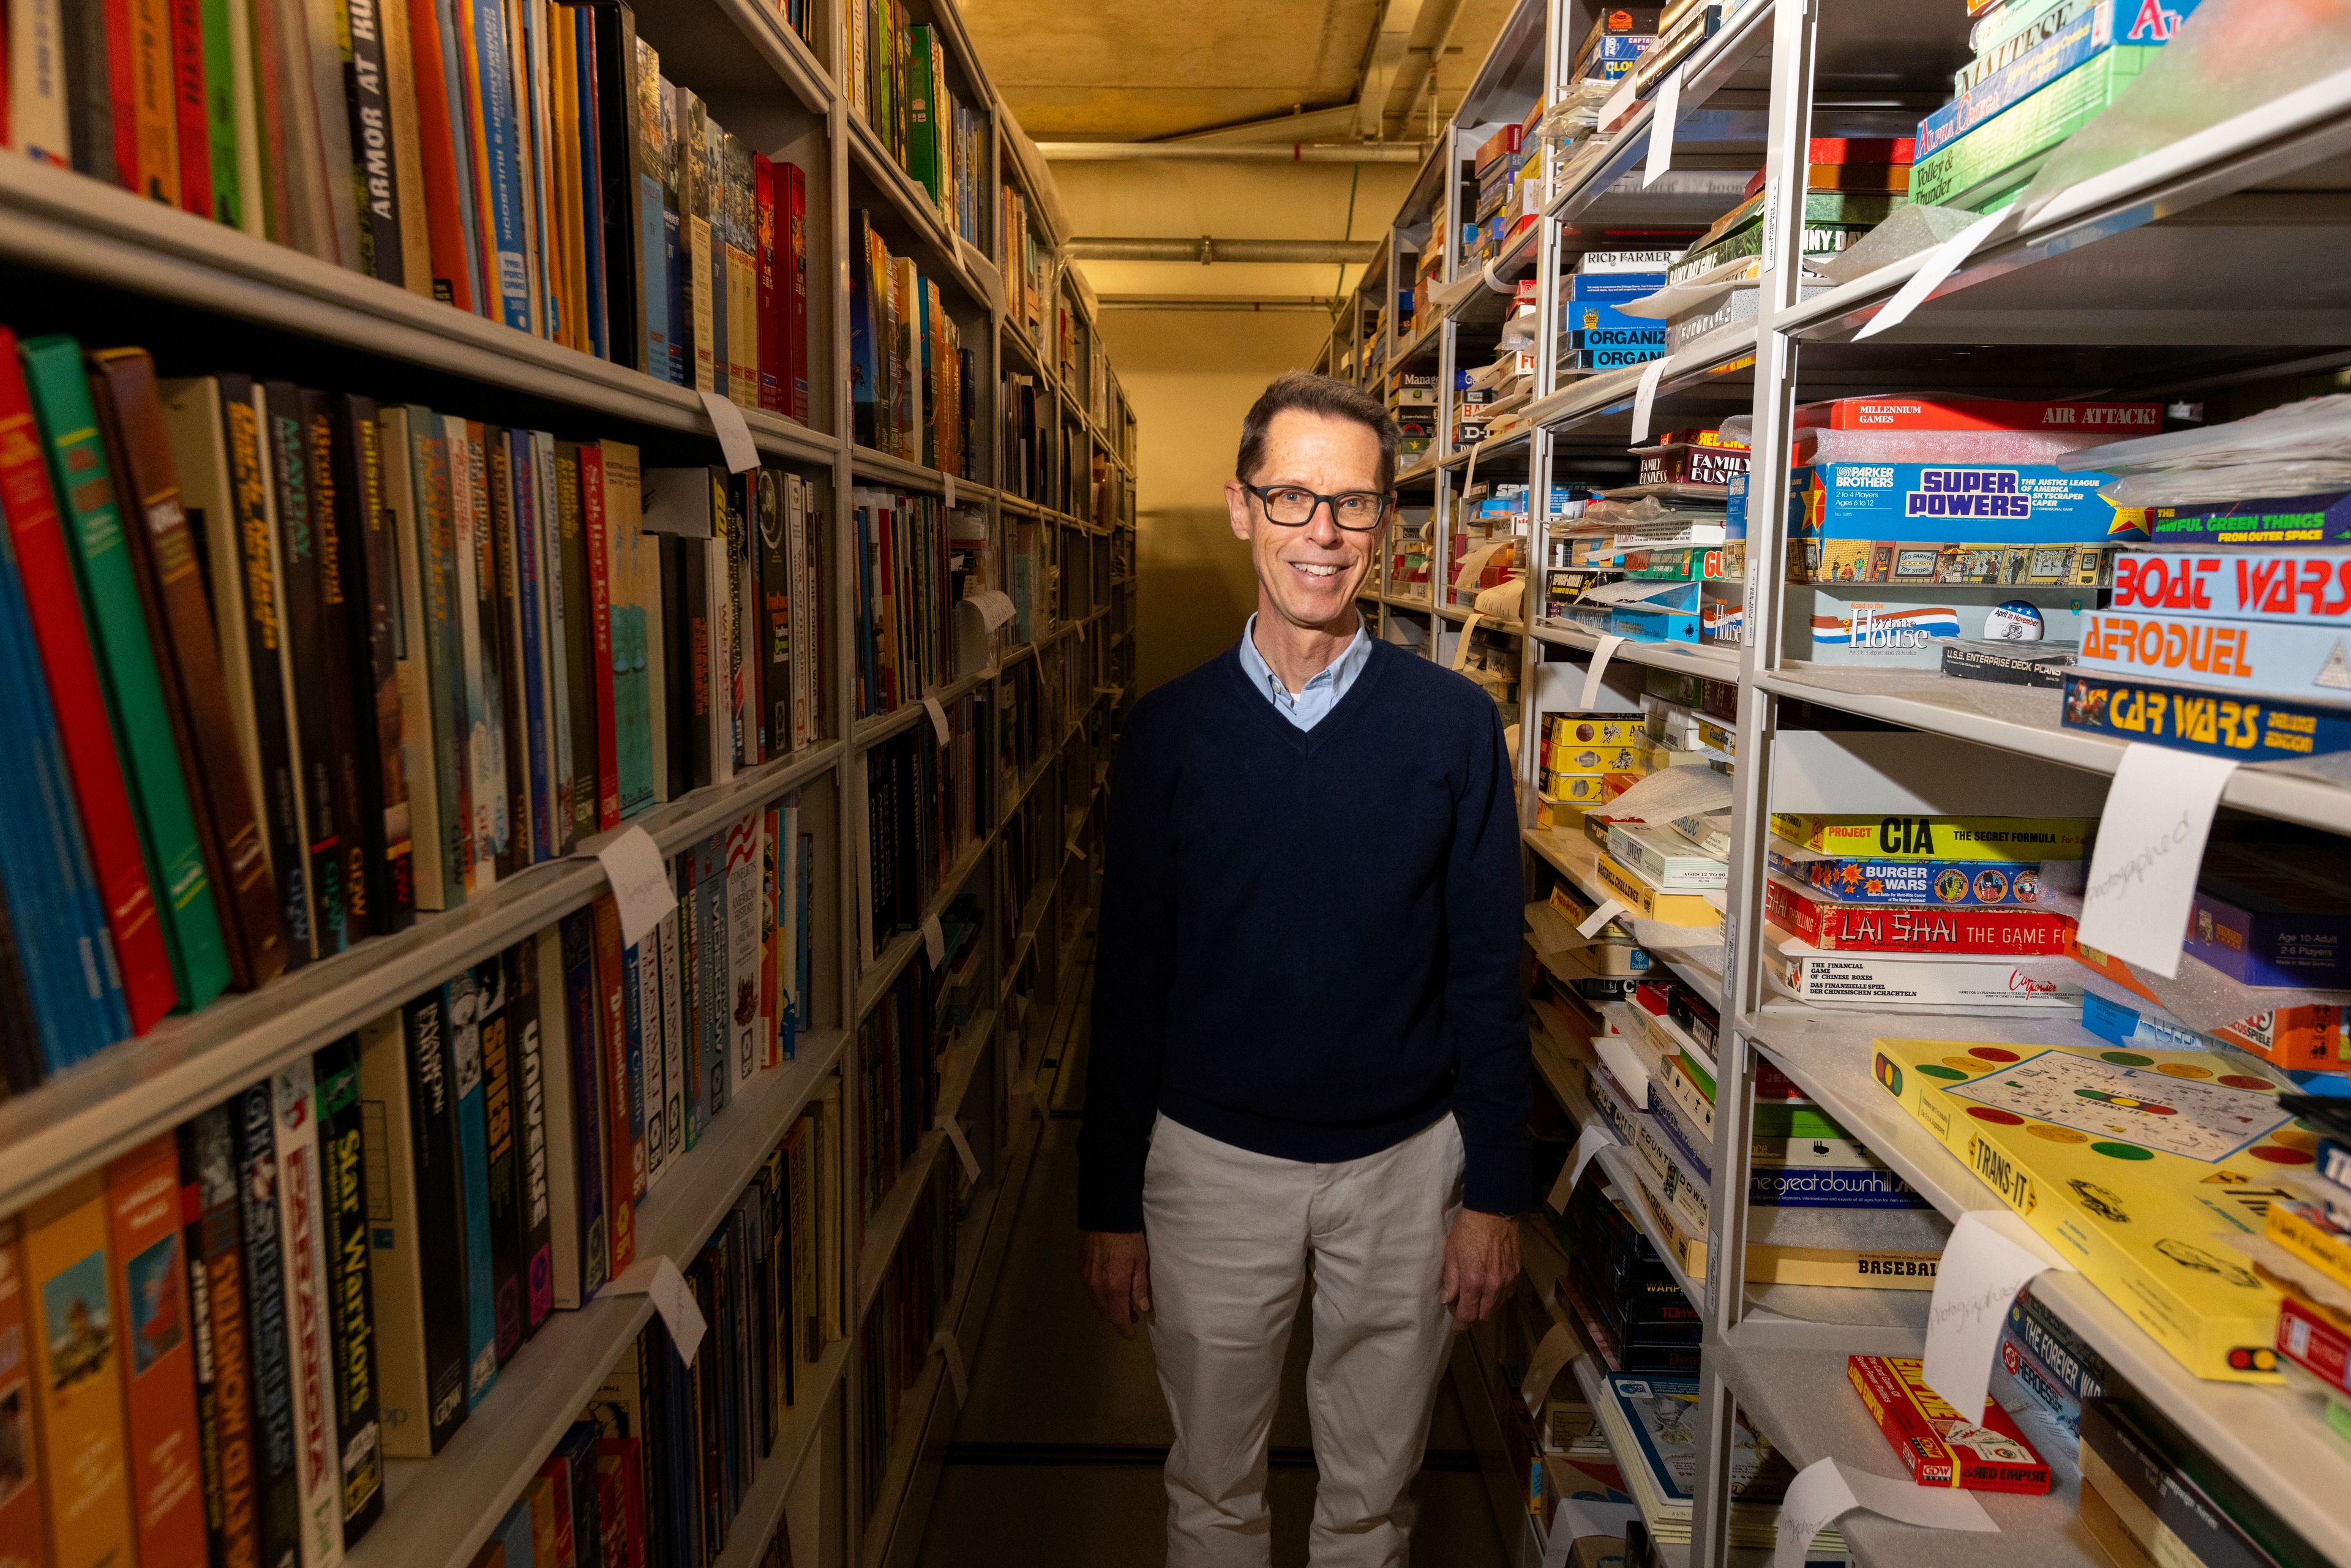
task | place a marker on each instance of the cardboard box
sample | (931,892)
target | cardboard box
(2002,504)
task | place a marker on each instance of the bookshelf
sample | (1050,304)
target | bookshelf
(2038,312)
(82,257)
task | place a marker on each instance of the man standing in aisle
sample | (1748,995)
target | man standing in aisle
(1308,1041)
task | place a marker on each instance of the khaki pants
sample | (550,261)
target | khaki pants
(1230,1235)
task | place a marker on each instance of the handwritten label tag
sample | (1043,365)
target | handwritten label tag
(938,717)
(953,1130)
(1664,109)
(1609,910)
(2151,836)
(1825,1491)
(934,940)
(946,482)
(733,434)
(1557,1349)
(1991,1255)
(1595,1138)
(1597,668)
(658,1279)
(1645,399)
(639,874)
(1948,257)
(1461,648)
(944,1343)
(996,607)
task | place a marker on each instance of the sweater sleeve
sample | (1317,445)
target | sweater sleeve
(1134,972)
(1483,1008)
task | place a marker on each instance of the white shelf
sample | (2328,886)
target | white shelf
(1714,661)
(1693,953)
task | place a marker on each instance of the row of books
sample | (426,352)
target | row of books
(486,673)
(208,1349)
(914,386)
(897,82)
(1027,262)
(521,160)
(655,1471)
(918,560)
(902,1323)
(930,797)
(899,1052)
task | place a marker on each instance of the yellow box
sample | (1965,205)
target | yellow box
(1941,837)
(2134,1165)
(1576,789)
(1578,730)
(1552,814)
(1633,890)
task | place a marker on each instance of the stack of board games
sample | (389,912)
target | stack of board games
(1851,185)
(2149,1494)
(1652,1424)
(1617,1289)
(1619,35)
(2304,1250)
(2134,1165)
(1940,1447)
(1940,910)
(2039,74)
(1589,759)
(1594,334)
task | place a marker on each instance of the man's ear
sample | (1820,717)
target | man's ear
(1237,507)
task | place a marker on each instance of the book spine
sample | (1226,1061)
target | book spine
(190,133)
(578,936)
(530,597)
(597,255)
(153,102)
(631,147)
(342,1164)
(77,1412)
(632,600)
(53,607)
(554,630)
(793,219)
(772,367)
(252,1119)
(444,225)
(216,1317)
(643,1001)
(626,1174)
(462,1002)
(375,189)
(773,630)
(301,1198)
(403,100)
(745,857)
(476,648)
(579,641)
(441,1232)
(36,82)
(157,1366)
(499,1106)
(341,577)
(524,1029)
(310,716)
(440,457)
(370,555)
(600,621)
(672,1026)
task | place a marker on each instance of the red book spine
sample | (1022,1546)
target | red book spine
(444,224)
(792,204)
(626,1169)
(1879,928)
(772,364)
(54,606)
(600,618)
(190,127)
(122,90)
(2314,1343)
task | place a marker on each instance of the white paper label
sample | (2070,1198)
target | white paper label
(1609,910)
(639,874)
(1632,1074)
(953,1130)
(938,716)
(1645,398)
(2151,836)
(1664,109)
(944,1343)
(733,434)
(946,483)
(1991,1255)
(1461,649)
(1825,1491)
(996,607)
(1620,103)
(1598,667)
(1948,258)
(934,940)
(1595,1138)
(1557,1349)
(658,1279)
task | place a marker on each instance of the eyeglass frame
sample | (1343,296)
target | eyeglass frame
(1385,498)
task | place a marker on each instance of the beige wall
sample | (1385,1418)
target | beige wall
(1191,375)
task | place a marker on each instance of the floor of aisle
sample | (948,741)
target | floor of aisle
(1056,1458)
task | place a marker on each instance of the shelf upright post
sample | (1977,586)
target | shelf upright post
(1558,42)
(1794,34)
(1448,333)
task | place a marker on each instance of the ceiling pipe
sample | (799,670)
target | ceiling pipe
(1238,303)
(1204,250)
(1221,152)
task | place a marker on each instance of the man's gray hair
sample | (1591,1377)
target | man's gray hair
(1309,393)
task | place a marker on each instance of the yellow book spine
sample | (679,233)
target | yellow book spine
(2322,1250)
(77,1378)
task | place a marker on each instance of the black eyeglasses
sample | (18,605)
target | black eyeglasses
(1358,511)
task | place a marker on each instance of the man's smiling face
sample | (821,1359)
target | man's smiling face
(1309,574)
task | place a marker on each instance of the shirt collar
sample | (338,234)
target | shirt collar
(1339,673)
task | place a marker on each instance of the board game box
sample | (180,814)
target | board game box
(1957,884)
(2311,586)
(1835,926)
(2134,1165)
(1880,978)
(2216,724)
(2262,658)
(1940,1447)
(1925,562)
(2321,519)
(1938,837)
(2003,504)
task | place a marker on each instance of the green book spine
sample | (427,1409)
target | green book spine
(921,113)
(143,729)
(437,557)
(220,113)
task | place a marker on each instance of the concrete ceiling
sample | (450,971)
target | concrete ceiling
(1139,70)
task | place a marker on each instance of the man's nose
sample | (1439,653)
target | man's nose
(1322,526)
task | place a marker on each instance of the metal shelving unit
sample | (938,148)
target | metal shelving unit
(87,257)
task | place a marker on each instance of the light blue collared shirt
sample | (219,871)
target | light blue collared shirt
(1323,689)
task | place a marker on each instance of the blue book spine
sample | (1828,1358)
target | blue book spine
(591,192)
(522,461)
(864,379)
(461,133)
(673,275)
(462,1003)
(505,218)
(710,926)
(632,1009)
(1832,1186)
(34,875)
(657,244)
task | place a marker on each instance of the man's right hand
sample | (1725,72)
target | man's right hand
(1118,1276)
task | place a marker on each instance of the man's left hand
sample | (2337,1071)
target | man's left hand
(1482,1258)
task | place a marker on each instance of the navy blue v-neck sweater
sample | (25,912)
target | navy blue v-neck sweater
(1308,942)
